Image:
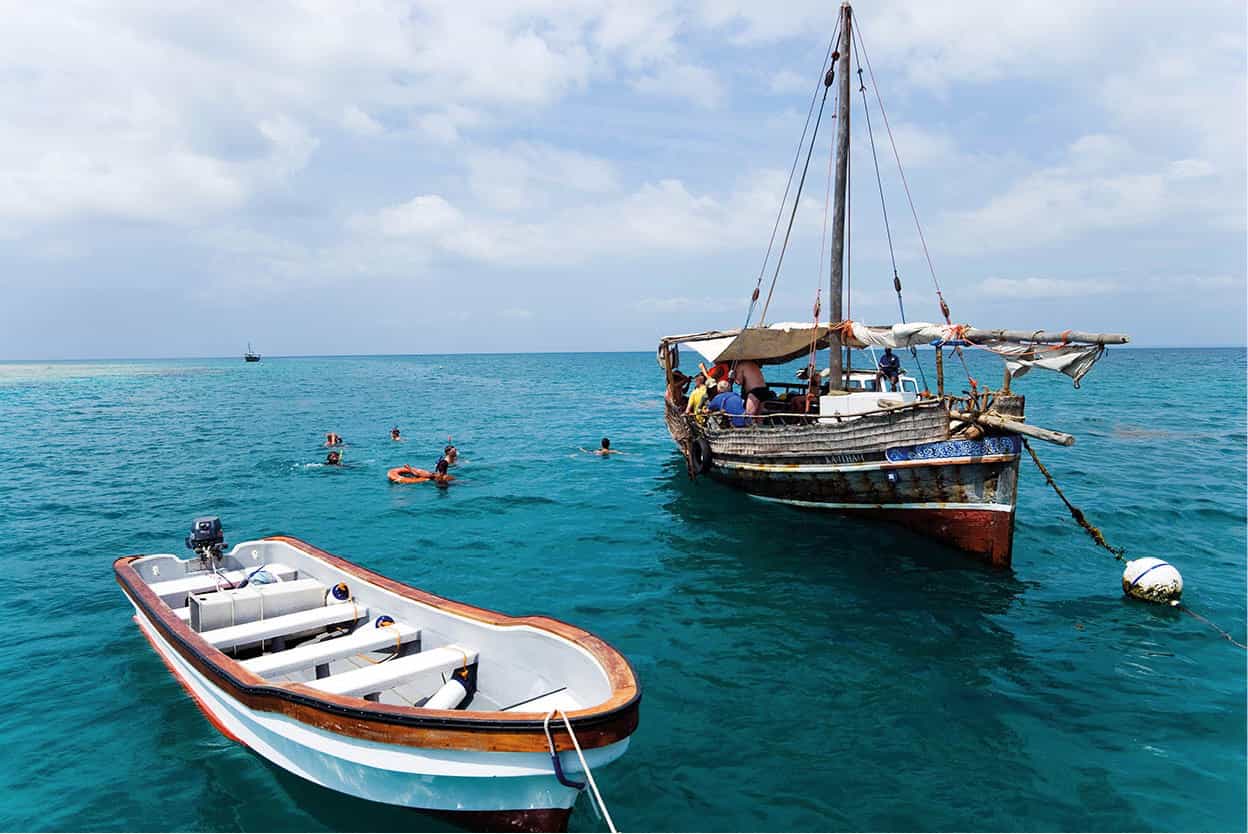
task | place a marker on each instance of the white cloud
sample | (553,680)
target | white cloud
(1102,184)
(683,304)
(917,146)
(143,111)
(528,175)
(360,123)
(787,81)
(698,85)
(1039,288)
(425,216)
(659,218)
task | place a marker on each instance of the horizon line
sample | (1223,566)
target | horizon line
(1130,346)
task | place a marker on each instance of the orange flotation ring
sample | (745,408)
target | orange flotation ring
(408,475)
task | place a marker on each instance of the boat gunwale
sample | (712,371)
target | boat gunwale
(607,722)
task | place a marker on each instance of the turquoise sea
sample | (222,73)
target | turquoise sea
(800,672)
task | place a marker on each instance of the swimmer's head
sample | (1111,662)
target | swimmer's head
(606,443)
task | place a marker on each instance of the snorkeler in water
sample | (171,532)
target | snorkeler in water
(394,433)
(334,458)
(333,439)
(604,450)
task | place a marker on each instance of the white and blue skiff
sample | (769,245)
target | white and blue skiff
(376,689)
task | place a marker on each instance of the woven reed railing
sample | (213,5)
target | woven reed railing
(874,431)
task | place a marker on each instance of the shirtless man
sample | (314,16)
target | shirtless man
(753,386)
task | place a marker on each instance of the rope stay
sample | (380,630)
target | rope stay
(944,307)
(797,154)
(879,182)
(797,198)
(554,754)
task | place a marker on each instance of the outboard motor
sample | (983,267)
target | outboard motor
(207,538)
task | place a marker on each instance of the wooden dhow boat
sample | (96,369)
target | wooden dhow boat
(845,439)
(367,686)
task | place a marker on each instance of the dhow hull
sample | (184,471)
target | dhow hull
(958,492)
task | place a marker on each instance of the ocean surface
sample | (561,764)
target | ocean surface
(800,672)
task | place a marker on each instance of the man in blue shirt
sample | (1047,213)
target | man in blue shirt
(889,368)
(729,402)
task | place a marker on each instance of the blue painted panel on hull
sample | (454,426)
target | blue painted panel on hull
(1008,445)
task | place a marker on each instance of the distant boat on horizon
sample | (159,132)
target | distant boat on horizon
(251,355)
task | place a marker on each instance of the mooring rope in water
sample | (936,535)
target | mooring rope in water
(1075,512)
(606,815)
(1213,626)
(1119,553)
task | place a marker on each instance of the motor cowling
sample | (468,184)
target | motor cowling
(206,536)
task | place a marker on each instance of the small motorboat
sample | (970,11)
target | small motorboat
(382,691)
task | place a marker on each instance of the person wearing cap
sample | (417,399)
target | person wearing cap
(889,368)
(698,395)
(730,403)
(676,390)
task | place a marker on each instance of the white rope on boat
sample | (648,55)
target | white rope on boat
(589,776)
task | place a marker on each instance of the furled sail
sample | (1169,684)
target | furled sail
(1067,353)
(1074,360)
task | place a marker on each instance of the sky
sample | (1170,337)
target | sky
(536,175)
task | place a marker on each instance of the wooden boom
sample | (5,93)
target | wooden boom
(974,334)
(1015,427)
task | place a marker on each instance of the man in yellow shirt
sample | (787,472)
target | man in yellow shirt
(697,396)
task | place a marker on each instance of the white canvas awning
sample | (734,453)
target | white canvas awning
(775,343)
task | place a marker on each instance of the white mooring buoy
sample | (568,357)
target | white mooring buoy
(1153,580)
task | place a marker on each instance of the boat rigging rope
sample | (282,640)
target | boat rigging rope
(944,307)
(801,143)
(797,198)
(1118,553)
(879,182)
(606,815)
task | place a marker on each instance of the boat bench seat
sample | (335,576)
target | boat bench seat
(392,673)
(284,625)
(366,639)
(175,591)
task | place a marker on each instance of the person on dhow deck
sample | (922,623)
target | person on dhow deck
(676,390)
(889,368)
(698,395)
(753,387)
(729,402)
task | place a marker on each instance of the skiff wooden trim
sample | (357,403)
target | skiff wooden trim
(598,726)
